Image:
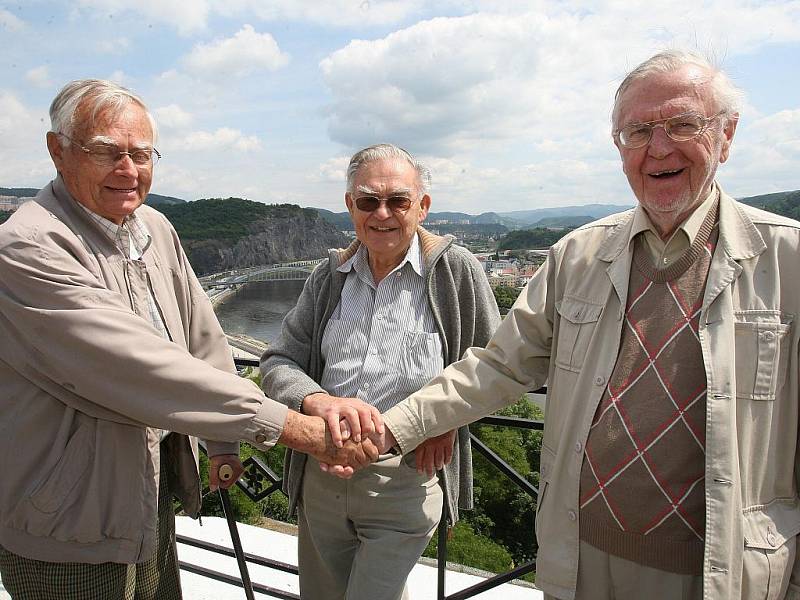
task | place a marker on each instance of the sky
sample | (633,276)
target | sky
(508,102)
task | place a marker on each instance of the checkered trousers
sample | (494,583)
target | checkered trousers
(154,579)
(643,474)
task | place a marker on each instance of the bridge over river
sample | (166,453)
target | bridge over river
(298,270)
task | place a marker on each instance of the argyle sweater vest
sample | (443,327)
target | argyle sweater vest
(643,475)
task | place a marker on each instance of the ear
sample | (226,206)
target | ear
(55,149)
(727,132)
(424,207)
(348,200)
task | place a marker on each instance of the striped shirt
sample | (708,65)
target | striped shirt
(381,342)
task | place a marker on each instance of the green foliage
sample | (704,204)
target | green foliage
(538,237)
(227,219)
(505,296)
(466,547)
(503,512)
(4,215)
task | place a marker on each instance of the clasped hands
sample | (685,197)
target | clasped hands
(358,427)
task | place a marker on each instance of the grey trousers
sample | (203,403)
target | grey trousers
(155,579)
(602,576)
(360,538)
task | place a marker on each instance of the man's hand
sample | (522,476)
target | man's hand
(312,436)
(360,418)
(433,454)
(382,441)
(214,465)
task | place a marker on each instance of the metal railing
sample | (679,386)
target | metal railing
(259,481)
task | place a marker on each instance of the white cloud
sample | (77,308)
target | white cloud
(445,85)
(247,51)
(39,77)
(10,22)
(222,138)
(23,159)
(186,17)
(120,77)
(333,170)
(337,13)
(118,45)
(172,117)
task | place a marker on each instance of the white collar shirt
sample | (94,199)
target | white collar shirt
(381,343)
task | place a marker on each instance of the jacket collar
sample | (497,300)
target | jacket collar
(737,233)
(431,245)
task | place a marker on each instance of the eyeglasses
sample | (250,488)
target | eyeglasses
(396,204)
(680,128)
(108,155)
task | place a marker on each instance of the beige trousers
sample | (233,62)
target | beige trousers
(602,576)
(360,538)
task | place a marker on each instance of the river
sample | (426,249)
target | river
(257,310)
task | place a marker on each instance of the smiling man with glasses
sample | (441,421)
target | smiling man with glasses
(110,358)
(374,323)
(668,338)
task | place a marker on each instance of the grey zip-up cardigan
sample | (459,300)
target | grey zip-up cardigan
(465,313)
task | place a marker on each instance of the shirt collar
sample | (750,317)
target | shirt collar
(360,260)
(132,238)
(690,227)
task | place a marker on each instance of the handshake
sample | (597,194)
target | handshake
(344,435)
(355,435)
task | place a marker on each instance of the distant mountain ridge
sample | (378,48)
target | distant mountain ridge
(152,199)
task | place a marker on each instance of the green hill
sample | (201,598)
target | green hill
(782,203)
(538,237)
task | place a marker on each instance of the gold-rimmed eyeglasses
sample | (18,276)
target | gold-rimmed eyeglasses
(680,128)
(108,155)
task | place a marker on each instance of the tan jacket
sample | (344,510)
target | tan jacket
(82,376)
(565,329)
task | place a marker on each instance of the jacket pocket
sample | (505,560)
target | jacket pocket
(67,474)
(547,458)
(770,548)
(761,339)
(577,322)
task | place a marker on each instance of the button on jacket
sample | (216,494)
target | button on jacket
(565,329)
(83,373)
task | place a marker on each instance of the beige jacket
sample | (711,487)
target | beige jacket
(565,329)
(83,374)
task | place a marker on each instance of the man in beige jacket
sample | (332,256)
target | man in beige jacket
(667,337)
(110,357)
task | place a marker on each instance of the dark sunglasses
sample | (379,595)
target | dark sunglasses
(394,203)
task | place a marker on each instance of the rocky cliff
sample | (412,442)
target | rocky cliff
(222,234)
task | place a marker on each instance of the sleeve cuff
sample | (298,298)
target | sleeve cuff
(267,426)
(407,431)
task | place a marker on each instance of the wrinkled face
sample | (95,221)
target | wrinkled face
(113,192)
(670,179)
(387,234)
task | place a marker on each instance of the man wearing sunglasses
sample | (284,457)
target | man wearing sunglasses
(374,323)
(110,357)
(668,338)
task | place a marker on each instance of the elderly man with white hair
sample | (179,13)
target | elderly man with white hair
(667,335)
(374,323)
(111,356)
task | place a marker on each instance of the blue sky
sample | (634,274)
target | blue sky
(508,102)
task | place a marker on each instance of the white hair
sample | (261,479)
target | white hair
(727,96)
(96,96)
(383,152)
